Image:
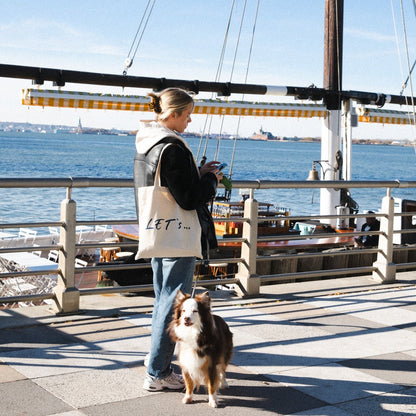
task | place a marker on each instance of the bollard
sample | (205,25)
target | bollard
(385,268)
(67,295)
(249,280)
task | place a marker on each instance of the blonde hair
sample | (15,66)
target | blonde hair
(168,101)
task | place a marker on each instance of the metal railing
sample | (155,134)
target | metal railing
(247,280)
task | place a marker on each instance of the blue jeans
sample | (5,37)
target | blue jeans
(169,275)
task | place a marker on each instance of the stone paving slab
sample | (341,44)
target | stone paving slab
(340,352)
(33,336)
(334,383)
(400,403)
(95,387)
(398,368)
(8,374)
(24,397)
(248,394)
(102,329)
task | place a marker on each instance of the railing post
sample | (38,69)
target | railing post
(249,280)
(67,295)
(385,268)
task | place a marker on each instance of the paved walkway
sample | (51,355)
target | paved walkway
(335,348)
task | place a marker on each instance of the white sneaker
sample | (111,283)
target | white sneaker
(146,360)
(172,382)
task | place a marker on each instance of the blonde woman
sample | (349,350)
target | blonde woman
(191,188)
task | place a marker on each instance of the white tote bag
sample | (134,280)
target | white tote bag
(166,229)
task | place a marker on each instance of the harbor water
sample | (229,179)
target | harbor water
(36,155)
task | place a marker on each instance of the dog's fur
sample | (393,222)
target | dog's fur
(205,344)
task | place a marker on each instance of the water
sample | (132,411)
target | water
(32,155)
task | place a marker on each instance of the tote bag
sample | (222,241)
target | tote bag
(166,229)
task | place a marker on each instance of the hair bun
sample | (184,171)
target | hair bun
(155,104)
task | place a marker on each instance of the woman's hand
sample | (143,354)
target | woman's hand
(209,167)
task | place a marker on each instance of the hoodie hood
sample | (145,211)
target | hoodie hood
(150,133)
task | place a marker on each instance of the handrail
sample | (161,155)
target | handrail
(87,182)
(66,295)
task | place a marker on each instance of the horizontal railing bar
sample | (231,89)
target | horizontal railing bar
(316,217)
(305,255)
(404,248)
(149,287)
(231,240)
(32,224)
(113,289)
(108,222)
(405,231)
(83,182)
(65,183)
(29,273)
(406,265)
(113,267)
(317,273)
(27,298)
(30,248)
(231,260)
(139,266)
(105,244)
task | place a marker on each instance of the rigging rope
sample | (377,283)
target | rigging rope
(231,78)
(217,77)
(129,60)
(338,61)
(245,82)
(408,65)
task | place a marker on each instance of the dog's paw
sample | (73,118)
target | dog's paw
(212,402)
(223,382)
(187,399)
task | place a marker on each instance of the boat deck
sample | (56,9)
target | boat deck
(131,232)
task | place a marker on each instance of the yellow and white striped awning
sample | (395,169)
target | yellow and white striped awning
(96,101)
(72,99)
(92,101)
(378,115)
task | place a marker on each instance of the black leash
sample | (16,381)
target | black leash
(206,264)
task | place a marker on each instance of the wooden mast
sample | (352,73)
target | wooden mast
(330,142)
(334,16)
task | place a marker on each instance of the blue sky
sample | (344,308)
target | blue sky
(184,39)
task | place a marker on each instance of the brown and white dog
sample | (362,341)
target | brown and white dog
(205,344)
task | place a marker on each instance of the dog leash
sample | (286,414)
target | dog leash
(206,263)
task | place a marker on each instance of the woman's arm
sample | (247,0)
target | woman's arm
(180,175)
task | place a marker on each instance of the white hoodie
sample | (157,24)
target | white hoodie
(151,132)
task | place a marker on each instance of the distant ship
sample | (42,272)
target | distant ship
(263,135)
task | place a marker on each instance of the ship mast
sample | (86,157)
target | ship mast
(330,142)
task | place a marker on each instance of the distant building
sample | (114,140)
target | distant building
(263,135)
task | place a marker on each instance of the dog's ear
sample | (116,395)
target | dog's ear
(178,300)
(180,296)
(205,298)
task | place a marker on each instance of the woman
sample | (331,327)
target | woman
(191,189)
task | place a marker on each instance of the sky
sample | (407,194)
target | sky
(184,39)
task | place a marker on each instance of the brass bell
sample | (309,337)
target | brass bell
(313,174)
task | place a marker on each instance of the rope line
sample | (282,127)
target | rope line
(129,60)
(245,82)
(408,67)
(217,77)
